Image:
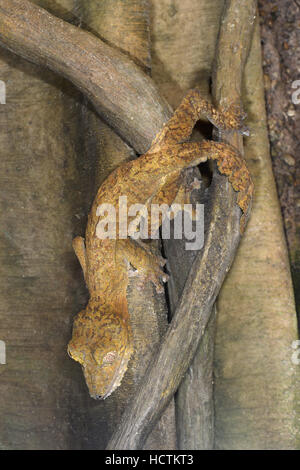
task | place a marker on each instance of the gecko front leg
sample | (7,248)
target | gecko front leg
(148,266)
(78,245)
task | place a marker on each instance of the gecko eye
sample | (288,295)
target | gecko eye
(110,357)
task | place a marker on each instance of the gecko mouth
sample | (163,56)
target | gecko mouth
(116,380)
(118,376)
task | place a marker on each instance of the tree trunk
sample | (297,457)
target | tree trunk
(256,381)
(41,394)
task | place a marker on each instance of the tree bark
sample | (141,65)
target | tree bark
(256,382)
(123,95)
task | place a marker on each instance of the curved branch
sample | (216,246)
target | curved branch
(122,94)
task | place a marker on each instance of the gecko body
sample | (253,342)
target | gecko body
(102,338)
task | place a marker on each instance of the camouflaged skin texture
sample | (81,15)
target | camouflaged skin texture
(102,338)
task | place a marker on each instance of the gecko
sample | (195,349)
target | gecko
(102,340)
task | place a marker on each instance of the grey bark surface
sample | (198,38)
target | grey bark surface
(256,382)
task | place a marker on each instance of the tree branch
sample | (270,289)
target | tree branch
(122,94)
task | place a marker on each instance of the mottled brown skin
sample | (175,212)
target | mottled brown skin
(102,338)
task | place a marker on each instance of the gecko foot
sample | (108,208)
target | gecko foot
(147,266)
(234,118)
(155,279)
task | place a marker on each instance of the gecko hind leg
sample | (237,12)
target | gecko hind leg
(173,195)
(184,198)
(193,106)
(230,163)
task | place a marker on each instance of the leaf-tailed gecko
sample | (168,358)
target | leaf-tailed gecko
(102,338)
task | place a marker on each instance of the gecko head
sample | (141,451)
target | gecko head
(102,344)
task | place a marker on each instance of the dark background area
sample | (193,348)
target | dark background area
(280,32)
